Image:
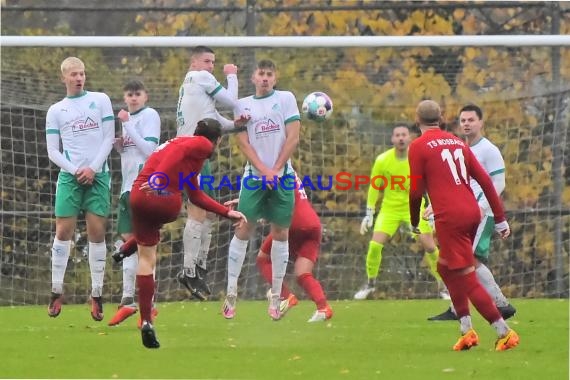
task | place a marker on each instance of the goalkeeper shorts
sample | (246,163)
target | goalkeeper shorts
(389,221)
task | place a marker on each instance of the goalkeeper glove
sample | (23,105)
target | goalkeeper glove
(503,229)
(367,221)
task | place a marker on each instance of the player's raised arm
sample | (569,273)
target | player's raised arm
(146,144)
(227,124)
(229,96)
(217,91)
(231,77)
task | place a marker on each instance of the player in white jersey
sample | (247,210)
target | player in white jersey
(84,122)
(198,96)
(267,189)
(140,135)
(490,158)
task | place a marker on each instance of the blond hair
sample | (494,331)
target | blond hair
(71,63)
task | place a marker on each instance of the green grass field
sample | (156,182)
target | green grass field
(370,339)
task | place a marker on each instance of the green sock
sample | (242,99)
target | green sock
(431,261)
(373,259)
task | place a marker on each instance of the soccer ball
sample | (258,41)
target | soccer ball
(317,106)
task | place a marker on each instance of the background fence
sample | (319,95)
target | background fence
(524,92)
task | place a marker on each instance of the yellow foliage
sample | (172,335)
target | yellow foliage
(381,26)
(418,19)
(338,20)
(439,25)
(331,205)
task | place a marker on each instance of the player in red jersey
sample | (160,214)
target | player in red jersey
(441,164)
(305,234)
(156,199)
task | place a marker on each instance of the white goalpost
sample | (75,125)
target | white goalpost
(521,82)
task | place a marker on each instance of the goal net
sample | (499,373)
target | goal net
(526,112)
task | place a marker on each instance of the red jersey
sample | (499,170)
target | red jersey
(304,216)
(175,166)
(305,230)
(442,164)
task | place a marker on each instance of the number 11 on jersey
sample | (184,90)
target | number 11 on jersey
(451,162)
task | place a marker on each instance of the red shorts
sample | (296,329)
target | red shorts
(149,212)
(302,243)
(456,241)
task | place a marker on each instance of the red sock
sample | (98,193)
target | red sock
(481,299)
(145,284)
(313,289)
(264,266)
(456,287)
(465,288)
(129,247)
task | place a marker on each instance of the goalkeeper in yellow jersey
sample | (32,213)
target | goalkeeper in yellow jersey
(393,166)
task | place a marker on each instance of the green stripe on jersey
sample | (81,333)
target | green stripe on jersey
(82,93)
(52,131)
(216,90)
(292,118)
(150,138)
(264,96)
(107,118)
(498,171)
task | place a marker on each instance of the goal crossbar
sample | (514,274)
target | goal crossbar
(285,41)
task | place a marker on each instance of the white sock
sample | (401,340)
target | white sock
(465,323)
(279,258)
(191,238)
(205,244)
(97,259)
(59,256)
(237,251)
(488,281)
(129,275)
(501,327)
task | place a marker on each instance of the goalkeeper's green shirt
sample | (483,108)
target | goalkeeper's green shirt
(392,168)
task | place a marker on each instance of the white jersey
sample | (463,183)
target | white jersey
(491,160)
(196,101)
(84,123)
(266,128)
(146,123)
